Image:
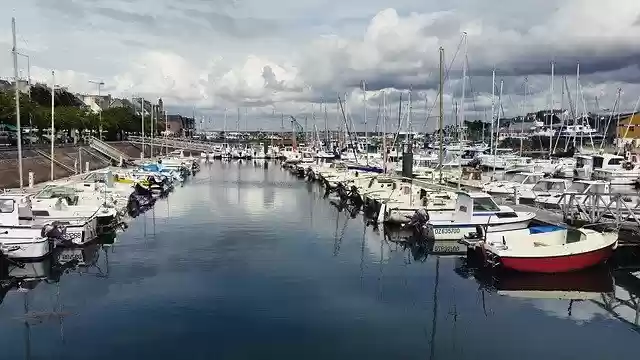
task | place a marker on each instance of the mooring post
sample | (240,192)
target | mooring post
(86,167)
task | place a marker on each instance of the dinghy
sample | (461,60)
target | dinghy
(549,249)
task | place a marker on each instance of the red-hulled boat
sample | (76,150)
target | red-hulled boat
(549,249)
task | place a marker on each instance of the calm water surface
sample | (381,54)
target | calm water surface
(248,262)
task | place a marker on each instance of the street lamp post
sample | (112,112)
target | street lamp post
(99,84)
(17,98)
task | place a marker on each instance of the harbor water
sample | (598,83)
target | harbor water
(246,261)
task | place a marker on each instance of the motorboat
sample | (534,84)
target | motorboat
(542,189)
(99,213)
(548,249)
(524,180)
(471,209)
(407,198)
(615,169)
(24,236)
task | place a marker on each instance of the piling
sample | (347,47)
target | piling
(407,164)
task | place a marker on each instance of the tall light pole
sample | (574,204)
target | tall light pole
(17,95)
(99,84)
(142,124)
(29,82)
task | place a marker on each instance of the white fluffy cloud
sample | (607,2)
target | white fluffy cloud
(289,55)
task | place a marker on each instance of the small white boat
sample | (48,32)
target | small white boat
(472,209)
(524,180)
(407,198)
(542,189)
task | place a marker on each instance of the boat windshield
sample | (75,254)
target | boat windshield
(51,192)
(520,178)
(578,187)
(554,186)
(485,204)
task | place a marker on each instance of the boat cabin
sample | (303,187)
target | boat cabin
(525,178)
(470,204)
(15,210)
(608,162)
(590,187)
(550,185)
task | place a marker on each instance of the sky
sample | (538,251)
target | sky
(281,58)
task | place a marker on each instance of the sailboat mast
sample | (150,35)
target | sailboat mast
(409,136)
(464,83)
(577,104)
(326,127)
(553,69)
(495,155)
(492,147)
(493,110)
(441,119)
(366,134)
(384,131)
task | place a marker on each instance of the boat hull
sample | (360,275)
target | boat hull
(558,264)
(26,249)
(458,232)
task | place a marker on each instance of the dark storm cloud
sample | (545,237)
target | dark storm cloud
(270,80)
(239,27)
(126,16)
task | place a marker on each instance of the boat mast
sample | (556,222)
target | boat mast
(366,134)
(17,95)
(226,146)
(524,109)
(464,80)
(498,126)
(492,148)
(575,129)
(326,127)
(384,131)
(441,119)
(553,68)
(409,136)
(578,103)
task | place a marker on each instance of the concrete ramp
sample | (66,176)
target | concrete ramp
(107,150)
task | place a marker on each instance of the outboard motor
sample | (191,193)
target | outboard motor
(420,223)
(342,192)
(55,231)
(355,195)
(420,218)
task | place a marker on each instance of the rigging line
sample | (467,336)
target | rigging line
(446,76)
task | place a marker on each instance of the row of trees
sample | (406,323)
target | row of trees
(36,114)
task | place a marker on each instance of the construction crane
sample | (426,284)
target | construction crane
(295,128)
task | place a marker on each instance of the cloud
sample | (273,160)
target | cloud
(290,55)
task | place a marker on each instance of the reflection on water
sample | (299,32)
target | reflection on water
(24,278)
(247,261)
(611,290)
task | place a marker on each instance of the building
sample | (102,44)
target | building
(628,130)
(178,125)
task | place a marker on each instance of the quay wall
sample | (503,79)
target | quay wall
(33,160)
